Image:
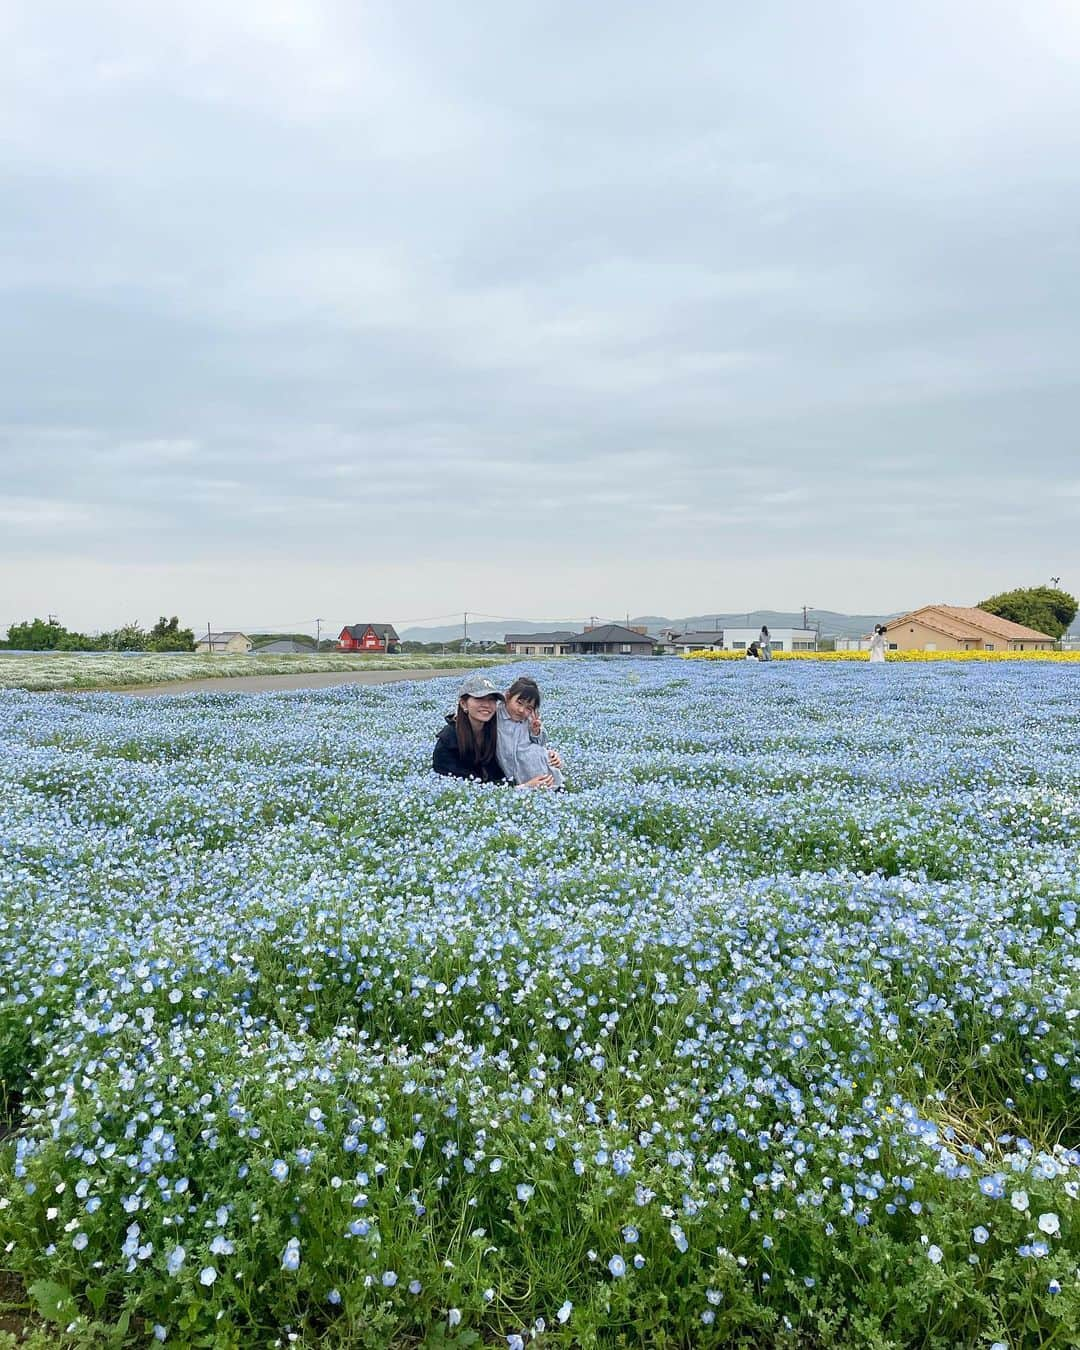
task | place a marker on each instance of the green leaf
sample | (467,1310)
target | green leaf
(53,1301)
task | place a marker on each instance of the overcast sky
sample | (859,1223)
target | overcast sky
(385,311)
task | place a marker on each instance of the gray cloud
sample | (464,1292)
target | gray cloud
(667,303)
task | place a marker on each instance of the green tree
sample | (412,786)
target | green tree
(37,635)
(167,636)
(129,638)
(1040,607)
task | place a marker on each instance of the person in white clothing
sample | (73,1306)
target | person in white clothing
(877,643)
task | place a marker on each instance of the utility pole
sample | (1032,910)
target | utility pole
(318,633)
(465,638)
(1055,582)
(804,609)
(209,644)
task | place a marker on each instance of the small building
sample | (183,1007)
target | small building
(612,639)
(694,640)
(369,637)
(780,639)
(846,644)
(284,646)
(959,628)
(220,643)
(539,644)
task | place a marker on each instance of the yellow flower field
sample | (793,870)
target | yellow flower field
(1059,657)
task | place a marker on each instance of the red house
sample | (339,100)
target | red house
(368,637)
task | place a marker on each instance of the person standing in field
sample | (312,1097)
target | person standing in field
(764,643)
(877,644)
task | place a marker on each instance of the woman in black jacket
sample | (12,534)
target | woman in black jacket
(466,745)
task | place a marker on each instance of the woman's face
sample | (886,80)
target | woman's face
(479,710)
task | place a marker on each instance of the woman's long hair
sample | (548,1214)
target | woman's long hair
(477,749)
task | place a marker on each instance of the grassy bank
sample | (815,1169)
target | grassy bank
(115,670)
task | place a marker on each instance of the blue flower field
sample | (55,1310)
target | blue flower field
(764,1033)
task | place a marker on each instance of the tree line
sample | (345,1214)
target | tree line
(49,635)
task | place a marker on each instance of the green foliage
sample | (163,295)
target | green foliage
(129,638)
(45,635)
(167,636)
(1040,607)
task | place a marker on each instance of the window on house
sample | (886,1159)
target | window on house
(893,647)
(738,646)
(930,647)
(625,648)
(549,651)
(989,646)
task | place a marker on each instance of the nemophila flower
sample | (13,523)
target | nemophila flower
(389,1278)
(290,1257)
(79,1241)
(617,1266)
(736,870)
(207,1275)
(1019,1200)
(934,1253)
(563,1315)
(524,1192)
(515,1342)
(175,1260)
(279,1169)
(980,1235)
(453,1317)
(1049,1224)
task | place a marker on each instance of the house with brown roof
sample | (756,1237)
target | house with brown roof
(953,628)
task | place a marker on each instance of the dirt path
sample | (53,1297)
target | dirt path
(257,684)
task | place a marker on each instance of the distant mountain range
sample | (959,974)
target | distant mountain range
(827,621)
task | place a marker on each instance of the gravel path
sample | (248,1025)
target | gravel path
(254,684)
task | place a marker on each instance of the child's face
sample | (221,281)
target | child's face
(519,710)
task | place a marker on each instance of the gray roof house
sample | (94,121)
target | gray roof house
(281,646)
(612,639)
(229,641)
(539,644)
(695,640)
